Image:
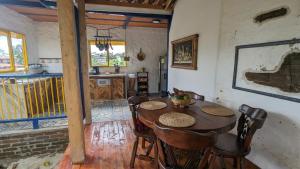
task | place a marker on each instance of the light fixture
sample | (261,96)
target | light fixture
(103,42)
(156,21)
(126,57)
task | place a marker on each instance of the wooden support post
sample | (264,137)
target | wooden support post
(84,62)
(69,52)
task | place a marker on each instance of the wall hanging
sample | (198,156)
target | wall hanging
(270,69)
(141,55)
(184,52)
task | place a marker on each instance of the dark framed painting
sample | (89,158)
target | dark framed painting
(271,69)
(184,52)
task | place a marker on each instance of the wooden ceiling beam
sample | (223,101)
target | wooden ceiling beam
(101,22)
(124,4)
(148,20)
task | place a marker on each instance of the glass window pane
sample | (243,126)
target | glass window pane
(4,52)
(98,58)
(116,55)
(17,45)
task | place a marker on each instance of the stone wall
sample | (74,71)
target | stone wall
(34,142)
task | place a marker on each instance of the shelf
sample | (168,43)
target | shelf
(142,83)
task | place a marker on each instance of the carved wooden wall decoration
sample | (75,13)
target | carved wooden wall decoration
(287,78)
(271,15)
(270,69)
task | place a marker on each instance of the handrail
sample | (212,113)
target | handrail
(20,76)
(25,97)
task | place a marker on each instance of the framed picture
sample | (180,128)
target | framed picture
(271,69)
(184,53)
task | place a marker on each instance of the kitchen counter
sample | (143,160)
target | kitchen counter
(109,75)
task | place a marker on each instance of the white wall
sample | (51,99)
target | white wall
(48,39)
(13,21)
(202,17)
(276,145)
(153,41)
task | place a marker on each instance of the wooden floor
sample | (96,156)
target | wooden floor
(109,145)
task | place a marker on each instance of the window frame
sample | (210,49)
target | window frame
(114,42)
(11,52)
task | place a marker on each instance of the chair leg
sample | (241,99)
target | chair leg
(235,163)
(134,151)
(143,143)
(204,159)
(222,162)
(238,160)
(156,155)
(212,162)
(149,149)
(242,164)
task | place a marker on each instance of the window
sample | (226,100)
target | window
(108,58)
(13,56)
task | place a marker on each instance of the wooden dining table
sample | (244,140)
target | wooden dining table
(204,122)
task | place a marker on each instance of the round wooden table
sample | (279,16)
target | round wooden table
(204,122)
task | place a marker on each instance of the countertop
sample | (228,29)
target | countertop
(109,75)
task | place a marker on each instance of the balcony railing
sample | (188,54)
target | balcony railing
(31,98)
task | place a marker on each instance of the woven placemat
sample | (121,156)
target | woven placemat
(217,110)
(175,119)
(153,105)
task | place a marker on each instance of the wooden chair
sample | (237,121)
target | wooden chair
(195,145)
(140,131)
(238,146)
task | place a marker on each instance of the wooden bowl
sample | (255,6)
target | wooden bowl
(181,102)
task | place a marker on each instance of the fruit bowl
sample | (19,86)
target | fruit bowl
(181,100)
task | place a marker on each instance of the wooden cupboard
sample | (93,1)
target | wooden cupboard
(107,88)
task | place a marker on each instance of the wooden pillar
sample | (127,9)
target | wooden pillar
(69,52)
(84,62)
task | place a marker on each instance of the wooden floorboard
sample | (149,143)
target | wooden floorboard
(109,145)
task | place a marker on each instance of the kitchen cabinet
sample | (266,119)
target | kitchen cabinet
(107,87)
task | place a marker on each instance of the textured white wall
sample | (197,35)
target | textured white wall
(13,21)
(153,41)
(276,145)
(202,17)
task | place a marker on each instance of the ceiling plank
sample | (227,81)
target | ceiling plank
(106,16)
(104,22)
(149,20)
(32,10)
(150,25)
(44,18)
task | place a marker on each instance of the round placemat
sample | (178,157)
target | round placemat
(217,110)
(153,105)
(175,119)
